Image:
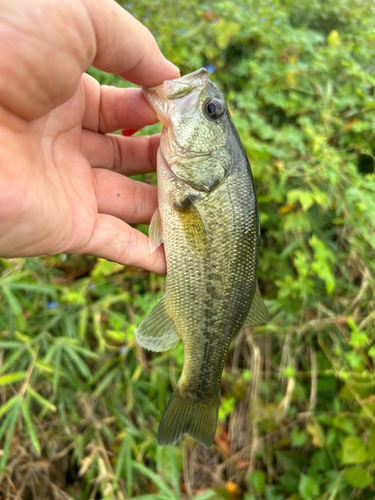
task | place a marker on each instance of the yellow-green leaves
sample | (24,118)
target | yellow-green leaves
(322,265)
(224,32)
(12,377)
(357,477)
(333,39)
(353,450)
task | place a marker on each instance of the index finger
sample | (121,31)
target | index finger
(126,47)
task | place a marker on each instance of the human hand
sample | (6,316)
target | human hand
(63,184)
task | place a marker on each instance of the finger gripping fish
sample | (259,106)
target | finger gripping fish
(208,220)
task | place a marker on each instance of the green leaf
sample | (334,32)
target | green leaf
(10,419)
(123,454)
(206,495)
(30,427)
(154,478)
(56,368)
(273,493)
(77,360)
(83,323)
(12,377)
(41,400)
(257,480)
(371,444)
(15,306)
(308,488)
(11,361)
(174,471)
(8,405)
(353,450)
(357,477)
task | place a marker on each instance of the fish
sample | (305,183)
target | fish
(208,220)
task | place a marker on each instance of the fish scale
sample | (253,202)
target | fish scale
(208,220)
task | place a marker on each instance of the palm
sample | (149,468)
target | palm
(82,209)
(67,179)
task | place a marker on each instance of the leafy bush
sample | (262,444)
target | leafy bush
(81,401)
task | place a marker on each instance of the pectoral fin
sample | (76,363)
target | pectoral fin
(157,332)
(194,230)
(258,312)
(154,232)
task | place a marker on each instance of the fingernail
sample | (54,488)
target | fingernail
(178,69)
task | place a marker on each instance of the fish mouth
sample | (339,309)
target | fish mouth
(159,97)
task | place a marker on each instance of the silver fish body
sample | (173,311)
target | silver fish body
(209,223)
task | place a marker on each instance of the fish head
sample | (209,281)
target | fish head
(196,128)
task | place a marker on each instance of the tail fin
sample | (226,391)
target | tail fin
(185,416)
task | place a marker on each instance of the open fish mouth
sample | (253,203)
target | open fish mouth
(161,97)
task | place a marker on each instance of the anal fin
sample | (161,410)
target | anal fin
(157,332)
(258,313)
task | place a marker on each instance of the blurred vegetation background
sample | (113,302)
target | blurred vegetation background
(80,401)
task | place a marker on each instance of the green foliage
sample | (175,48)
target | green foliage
(297,419)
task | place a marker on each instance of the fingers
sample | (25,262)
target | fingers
(114,240)
(129,200)
(126,155)
(50,44)
(124,46)
(109,108)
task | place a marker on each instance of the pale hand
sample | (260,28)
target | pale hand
(63,180)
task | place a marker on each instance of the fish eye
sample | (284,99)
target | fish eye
(213,108)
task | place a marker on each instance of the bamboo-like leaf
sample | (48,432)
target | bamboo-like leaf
(206,495)
(56,369)
(101,371)
(41,400)
(83,321)
(154,478)
(11,419)
(105,382)
(82,367)
(128,469)
(11,361)
(10,344)
(174,471)
(30,427)
(13,277)
(108,300)
(5,424)
(86,352)
(121,458)
(34,287)
(98,331)
(8,405)
(146,497)
(43,366)
(15,306)
(12,377)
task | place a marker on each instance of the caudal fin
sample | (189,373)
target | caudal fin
(185,416)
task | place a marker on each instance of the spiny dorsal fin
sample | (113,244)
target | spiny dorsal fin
(258,312)
(154,232)
(157,332)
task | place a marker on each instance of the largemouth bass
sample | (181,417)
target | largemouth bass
(208,220)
